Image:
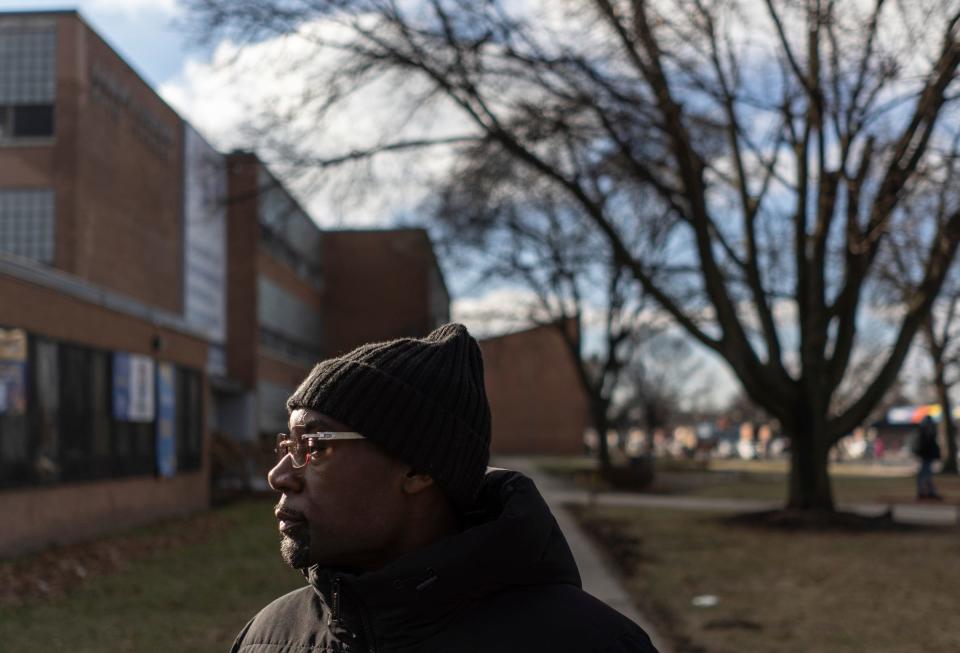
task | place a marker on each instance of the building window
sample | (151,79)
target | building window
(281,312)
(14,427)
(28,61)
(281,345)
(26,121)
(287,232)
(58,418)
(27,224)
(190,417)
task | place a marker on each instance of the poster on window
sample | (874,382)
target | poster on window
(133,387)
(166,421)
(13,371)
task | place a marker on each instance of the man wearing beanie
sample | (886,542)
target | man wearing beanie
(408,542)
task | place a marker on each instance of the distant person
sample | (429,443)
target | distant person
(408,542)
(927,450)
(879,448)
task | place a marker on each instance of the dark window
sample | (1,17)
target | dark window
(76,434)
(189,420)
(14,451)
(133,453)
(14,421)
(57,421)
(32,120)
(84,415)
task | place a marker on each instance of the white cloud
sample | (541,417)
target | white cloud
(496,312)
(225,97)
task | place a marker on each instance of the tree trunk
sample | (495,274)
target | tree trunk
(601,424)
(948,429)
(810,487)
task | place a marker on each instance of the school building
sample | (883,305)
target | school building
(154,293)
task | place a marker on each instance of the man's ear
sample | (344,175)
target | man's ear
(415,482)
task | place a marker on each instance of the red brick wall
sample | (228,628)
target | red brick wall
(39,517)
(119,204)
(46,312)
(118,201)
(129,185)
(54,164)
(243,234)
(36,517)
(376,286)
(536,399)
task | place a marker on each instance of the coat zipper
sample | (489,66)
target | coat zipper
(336,600)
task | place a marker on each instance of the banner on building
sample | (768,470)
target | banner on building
(13,371)
(166,420)
(133,387)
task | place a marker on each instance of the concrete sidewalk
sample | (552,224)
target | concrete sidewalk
(597,576)
(928,514)
(602,581)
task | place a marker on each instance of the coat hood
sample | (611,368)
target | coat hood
(510,539)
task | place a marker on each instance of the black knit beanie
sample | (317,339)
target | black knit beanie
(423,400)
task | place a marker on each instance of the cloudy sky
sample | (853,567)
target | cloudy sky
(152,36)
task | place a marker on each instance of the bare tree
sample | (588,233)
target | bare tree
(943,344)
(901,270)
(784,136)
(546,246)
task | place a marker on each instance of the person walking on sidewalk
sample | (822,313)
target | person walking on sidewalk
(927,450)
(407,541)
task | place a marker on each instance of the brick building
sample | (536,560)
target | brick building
(154,293)
(274,284)
(383,284)
(103,375)
(536,399)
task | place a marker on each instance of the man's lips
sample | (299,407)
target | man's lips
(288,519)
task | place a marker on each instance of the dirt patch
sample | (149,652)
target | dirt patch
(60,570)
(624,549)
(825,522)
(732,623)
(626,552)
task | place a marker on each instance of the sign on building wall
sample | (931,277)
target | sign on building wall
(906,415)
(13,371)
(166,420)
(205,237)
(133,387)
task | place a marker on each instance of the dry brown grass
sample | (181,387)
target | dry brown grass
(886,592)
(760,480)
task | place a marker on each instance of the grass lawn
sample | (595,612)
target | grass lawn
(185,596)
(759,479)
(785,591)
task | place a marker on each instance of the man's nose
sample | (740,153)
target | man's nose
(284,477)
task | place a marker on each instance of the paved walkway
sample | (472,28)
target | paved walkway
(931,514)
(597,576)
(601,581)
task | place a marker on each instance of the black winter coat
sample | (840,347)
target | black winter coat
(926,447)
(507,583)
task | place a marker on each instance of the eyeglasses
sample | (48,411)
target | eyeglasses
(308,446)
